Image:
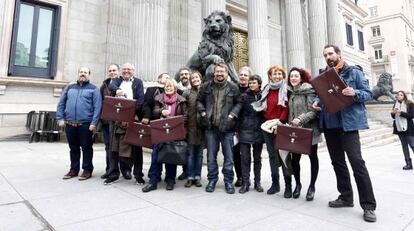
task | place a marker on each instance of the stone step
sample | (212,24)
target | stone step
(382,142)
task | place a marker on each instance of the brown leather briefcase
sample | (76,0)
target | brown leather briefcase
(294,139)
(118,109)
(138,134)
(328,85)
(168,129)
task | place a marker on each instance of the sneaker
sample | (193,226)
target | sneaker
(85,175)
(110,180)
(369,215)
(140,180)
(339,203)
(70,175)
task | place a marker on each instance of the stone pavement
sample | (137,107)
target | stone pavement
(34,197)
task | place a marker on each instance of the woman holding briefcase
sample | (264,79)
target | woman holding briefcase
(167,104)
(301,95)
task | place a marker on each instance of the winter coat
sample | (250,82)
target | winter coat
(137,91)
(80,103)
(195,132)
(300,106)
(409,115)
(181,107)
(231,104)
(249,120)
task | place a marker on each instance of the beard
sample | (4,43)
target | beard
(332,63)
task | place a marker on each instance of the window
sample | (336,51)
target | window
(378,52)
(361,41)
(34,41)
(349,38)
(376,32)
(373,11)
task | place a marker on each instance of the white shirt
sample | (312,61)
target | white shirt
(126,86)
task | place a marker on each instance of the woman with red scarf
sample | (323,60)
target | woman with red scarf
(167,104)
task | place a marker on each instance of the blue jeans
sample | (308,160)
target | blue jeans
(194,161)
(78,137)
(154,172)
(214,137)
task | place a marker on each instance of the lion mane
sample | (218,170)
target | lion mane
(216,46)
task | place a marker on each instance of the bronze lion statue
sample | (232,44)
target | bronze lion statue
(384,87)
(216,46)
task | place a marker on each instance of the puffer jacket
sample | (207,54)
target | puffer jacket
(250,120)
(300,106)
(80,103)
(231,104)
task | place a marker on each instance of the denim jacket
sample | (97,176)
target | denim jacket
(353,117)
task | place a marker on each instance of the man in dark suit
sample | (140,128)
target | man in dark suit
(130,87)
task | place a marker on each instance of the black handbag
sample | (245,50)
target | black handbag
(174,152)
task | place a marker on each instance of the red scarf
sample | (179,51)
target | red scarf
(170,102)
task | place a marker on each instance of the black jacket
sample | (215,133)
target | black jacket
(409,115)
(205,103)
(250,120)
(137,90)
(149,101)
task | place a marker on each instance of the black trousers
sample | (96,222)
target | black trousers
(246,161)
(237,161)
(406,141)
(314,164)
(340,142)
(136,162)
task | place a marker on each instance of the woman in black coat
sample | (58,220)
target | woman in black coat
(250,135)
(403,114)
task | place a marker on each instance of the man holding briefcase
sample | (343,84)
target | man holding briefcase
(341,134)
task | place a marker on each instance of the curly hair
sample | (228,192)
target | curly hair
(305,76)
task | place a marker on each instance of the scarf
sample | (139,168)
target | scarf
(170,103)
(261,104)
(401,122)
(340,65)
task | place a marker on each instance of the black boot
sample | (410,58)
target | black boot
(296,192)
(288,187)
(244,188)
(409,165)
(275,188)
(311,193)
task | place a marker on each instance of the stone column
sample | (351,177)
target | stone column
(208,6)
(147,38)
(258,38)
(295,47)
(178,35)
(334,23)
(317,34)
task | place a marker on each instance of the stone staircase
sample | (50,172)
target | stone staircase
(378,134)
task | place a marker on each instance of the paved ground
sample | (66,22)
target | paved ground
(34,197)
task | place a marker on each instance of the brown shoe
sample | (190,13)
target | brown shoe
(70,174)
(85,175)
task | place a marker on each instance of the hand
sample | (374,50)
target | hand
(92,128)
(296,122)
(316,106)
(145,121)
(397,111)
(165,113)
(61,123)
(203,113)
(124,124)
(120,92)
(349,91)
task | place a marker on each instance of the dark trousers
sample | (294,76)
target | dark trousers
(314,164)
(106,130)
(154,172)
(406,141)
(126,164)
(246,160)
(274,159)
(237,161)
(339,143)
(80,137)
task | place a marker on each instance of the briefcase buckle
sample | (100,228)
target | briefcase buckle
(293,137)
(141,133)
(167,128)
(118,107)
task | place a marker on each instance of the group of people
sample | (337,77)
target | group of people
(231,115)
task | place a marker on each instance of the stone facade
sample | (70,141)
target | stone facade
(157,36)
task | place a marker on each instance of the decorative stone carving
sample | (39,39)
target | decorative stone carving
(216,46)
(383,88)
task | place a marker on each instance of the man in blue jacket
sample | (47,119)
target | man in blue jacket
(79,109)
(341,134)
